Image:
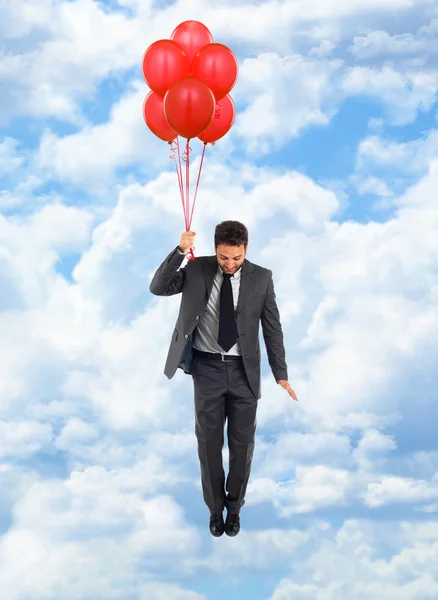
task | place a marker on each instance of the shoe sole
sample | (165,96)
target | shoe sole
(229,534)
(217,535)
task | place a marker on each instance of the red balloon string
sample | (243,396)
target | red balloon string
(174,148)
(186,159)
(197,182)
(175,152)
(180,179)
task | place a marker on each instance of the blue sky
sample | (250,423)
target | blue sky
(332,163)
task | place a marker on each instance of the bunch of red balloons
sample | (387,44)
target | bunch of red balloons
(190,77)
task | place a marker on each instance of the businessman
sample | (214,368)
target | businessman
(216,341)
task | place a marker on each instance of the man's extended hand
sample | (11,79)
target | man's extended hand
(284,384)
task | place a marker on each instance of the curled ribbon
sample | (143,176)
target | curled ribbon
(185,154)
(173,149)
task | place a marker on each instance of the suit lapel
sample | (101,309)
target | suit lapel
(246,282)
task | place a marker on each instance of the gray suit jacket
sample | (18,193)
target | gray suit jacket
(256,303)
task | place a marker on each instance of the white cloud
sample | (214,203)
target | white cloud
(269,22)
(312,488)
(325,48)
(58,539)
(76,431)
(24,194)
(21,439)
(417,48)
(30,248)
(280,458)
(263,550)
(285,96)
(420,197)
(394,490)
(86,445)
(91,156)
(74,46)
(373,185)
(21,17)
(403,158)
(381,43)
(351,565)
(372,450)
(10,159)
(402,94)
(423,464)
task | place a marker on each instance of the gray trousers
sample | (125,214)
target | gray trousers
(222,393)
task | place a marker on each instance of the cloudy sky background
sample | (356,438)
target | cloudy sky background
(333,166)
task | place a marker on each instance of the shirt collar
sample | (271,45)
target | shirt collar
(236,275)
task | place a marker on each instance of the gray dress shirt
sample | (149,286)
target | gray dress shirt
(206,333)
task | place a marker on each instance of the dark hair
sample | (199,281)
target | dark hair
(231,233)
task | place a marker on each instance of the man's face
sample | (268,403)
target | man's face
(230,258)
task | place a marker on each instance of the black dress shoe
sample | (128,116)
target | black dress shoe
(216,525)
(232,524)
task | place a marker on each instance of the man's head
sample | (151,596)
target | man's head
(230,242)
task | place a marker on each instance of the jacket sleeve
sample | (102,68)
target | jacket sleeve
(167,280)
(273,334)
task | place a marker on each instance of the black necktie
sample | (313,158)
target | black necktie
(227,323)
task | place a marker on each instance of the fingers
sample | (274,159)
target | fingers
(187,240)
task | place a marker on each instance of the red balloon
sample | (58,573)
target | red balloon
(189,107)
(192,36)
(217,67)
(222,121)
(155,119)
(164,62)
